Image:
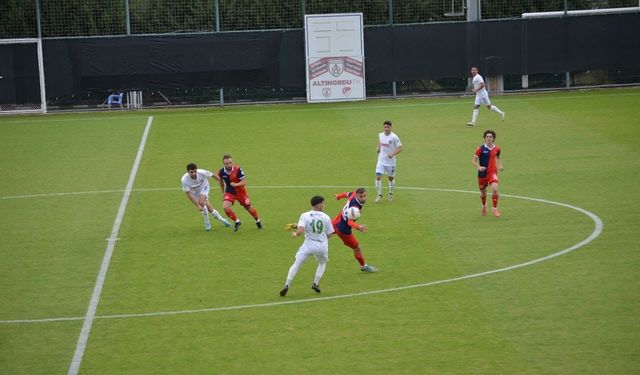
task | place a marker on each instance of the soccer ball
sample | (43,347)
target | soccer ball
(353,213)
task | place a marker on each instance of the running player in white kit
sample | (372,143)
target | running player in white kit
(317,228)
(195,183)
(482,97)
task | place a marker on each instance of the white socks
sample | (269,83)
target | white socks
(392,185)
(474,117)
(319,273)
(293,270)
(217,215)
(496,109)
(205,214)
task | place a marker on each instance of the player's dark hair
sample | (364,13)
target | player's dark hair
(387,123)
(316,200)
(360,190)
(226,156)
(191,166)
(474,67)
(489,132)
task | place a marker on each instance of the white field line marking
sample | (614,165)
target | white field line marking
(97,290)
(596,232)
(258,108)
(60,194)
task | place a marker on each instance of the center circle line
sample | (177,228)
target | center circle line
(598,228)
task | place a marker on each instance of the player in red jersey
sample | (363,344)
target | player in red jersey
(487,161)
(233,184)
(343,226)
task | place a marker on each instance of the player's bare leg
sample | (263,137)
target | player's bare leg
(494,199)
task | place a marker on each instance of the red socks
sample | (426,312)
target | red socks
(359,258)
(494,199)
(231,214)
(254,213)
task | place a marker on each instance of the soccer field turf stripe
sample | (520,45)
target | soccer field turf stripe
(264,108)
(598,227)
(106,260)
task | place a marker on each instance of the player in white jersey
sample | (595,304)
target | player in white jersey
(317,228)
(195,183)
(389,146)
(482,97)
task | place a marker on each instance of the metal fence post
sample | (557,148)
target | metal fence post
(221,90)
(38,20)
(567,75)
(394,88)
(217,16)
(127,16)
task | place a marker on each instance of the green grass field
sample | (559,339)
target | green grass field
(179,300)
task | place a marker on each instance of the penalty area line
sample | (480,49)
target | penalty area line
(106,260)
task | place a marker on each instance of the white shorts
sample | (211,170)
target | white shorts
(390,170)
(482,100)
(198,192)
(318,249)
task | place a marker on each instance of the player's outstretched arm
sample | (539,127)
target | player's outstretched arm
(341,195)
(362,228)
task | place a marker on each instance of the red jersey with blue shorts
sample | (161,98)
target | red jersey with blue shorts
(341,222)
(232,193)
(487,158)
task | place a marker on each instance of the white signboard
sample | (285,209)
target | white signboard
(335,57)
